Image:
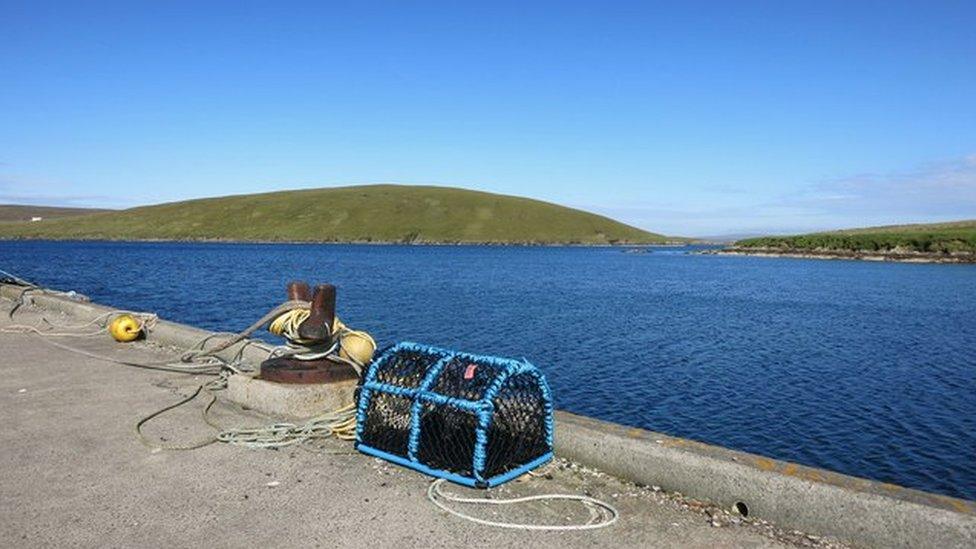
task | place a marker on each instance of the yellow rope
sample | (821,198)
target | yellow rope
(340,423)
(286,326)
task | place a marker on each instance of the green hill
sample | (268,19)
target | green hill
(958,237)
(371,213)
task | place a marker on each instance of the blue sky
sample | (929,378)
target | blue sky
(691,118)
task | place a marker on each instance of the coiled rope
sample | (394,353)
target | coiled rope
(146,321)
(198,359)
(340,424)
(286,325)
(602,514)
(282,320)
(202,364)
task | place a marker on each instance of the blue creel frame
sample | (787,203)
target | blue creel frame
(483,409)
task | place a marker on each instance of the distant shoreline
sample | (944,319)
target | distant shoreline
(856,255)
(352,242)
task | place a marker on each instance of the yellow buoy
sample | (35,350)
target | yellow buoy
(357,346)
(124,328)
(354,344)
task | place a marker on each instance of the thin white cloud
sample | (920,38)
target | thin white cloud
(937,190)
(29,191)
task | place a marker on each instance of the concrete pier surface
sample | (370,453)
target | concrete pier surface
(73,473)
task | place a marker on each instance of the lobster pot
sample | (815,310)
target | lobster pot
(474,420)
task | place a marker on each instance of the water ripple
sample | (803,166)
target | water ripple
(863,368)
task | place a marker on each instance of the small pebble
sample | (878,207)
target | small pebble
(272,484)
(22,391)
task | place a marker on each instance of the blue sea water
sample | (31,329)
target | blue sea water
(864,368)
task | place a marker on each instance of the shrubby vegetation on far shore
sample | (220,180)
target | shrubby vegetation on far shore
(937,238)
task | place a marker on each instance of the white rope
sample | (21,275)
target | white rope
(195,360)
(340,424)
(599,509)
(147,322)
(198,359)
(5,277)
(209,365)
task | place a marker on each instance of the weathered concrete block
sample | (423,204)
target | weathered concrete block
(292,401)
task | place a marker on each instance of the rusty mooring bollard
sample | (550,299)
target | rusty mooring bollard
(298,290)
(318,326)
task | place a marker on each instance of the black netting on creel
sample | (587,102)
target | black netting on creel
(450,410)
(388,425)
(406,368)
(465,377)
(447,438)
(517,433)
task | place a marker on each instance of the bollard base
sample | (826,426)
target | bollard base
(292,401)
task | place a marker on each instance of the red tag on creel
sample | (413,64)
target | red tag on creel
(469,371)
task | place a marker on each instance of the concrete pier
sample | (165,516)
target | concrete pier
(72,472)
(292,402)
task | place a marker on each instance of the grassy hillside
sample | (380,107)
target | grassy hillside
(935,238)
(16,212)
(372,213)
